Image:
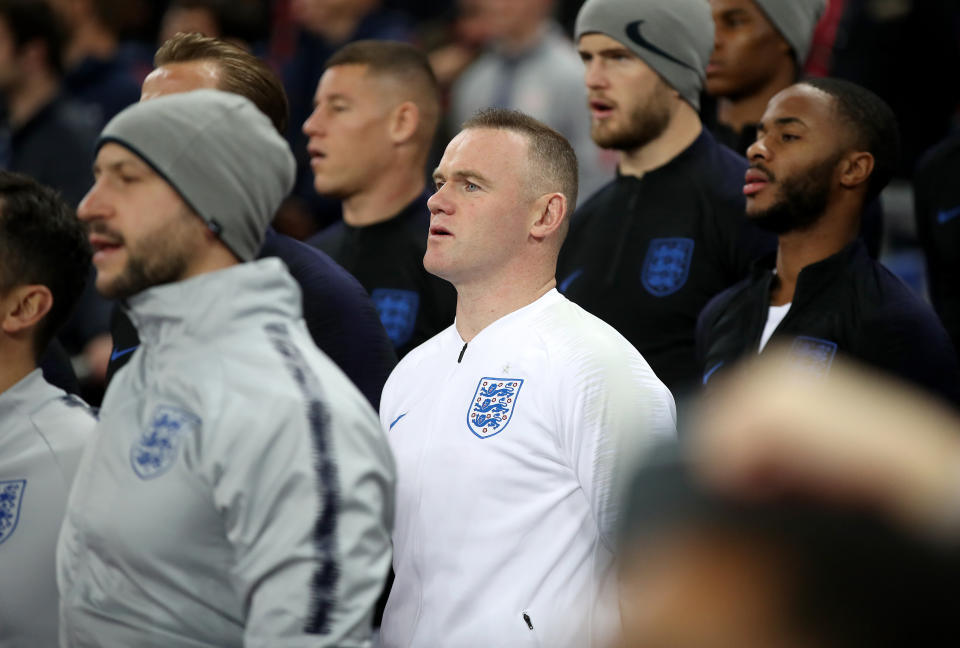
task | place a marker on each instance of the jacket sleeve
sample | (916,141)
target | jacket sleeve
(279,491)
(611,409)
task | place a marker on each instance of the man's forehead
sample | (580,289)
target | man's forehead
(480,144)
(800,102)
(172,78)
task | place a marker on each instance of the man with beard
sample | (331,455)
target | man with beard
(238,490)
(648,251)
(824,148)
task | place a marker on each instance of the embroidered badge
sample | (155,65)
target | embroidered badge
(667,265)
(492,406)
(813,354)
(398,312)
(157,448)
(11,494)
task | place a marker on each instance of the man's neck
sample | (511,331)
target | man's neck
(18,361)
(797,250)
(89,40)
(680,133)
(29,98)
(385,200)
(480,305)
(738,111)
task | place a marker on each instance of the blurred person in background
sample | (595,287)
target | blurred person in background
(700,567)
(377,108)
(96,74)
(647,251)
(44,257)
(937,213)
(530,65)
(760,47)
(870,441)
(50,138)
(324,26)
(825,147)
(237,21)
(338,313)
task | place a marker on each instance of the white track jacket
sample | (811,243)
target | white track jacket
(506,455)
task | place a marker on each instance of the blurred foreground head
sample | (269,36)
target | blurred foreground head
(700,570)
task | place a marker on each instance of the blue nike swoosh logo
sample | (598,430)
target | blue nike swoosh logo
(633,33)
(569,280)
(948,215)
(119,353)
(395,421)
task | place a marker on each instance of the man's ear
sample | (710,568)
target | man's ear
(24,307)
(404,121)
(550,213)
(855,169)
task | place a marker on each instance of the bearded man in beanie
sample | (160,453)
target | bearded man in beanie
(239,490)
(648,250)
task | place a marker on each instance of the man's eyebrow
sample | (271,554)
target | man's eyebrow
(781,121)
(607,51)
(336,96)
(463,174)
(115,166)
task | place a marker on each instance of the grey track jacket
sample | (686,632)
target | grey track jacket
(239,491)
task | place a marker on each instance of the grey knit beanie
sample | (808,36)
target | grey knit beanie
(219,152)
(795,20)
(674,37)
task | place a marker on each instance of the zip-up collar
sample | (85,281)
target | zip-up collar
(205,306)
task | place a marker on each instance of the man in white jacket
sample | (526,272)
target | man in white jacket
(44,259)
(508,427)
(239,491)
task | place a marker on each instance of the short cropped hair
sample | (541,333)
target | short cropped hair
(241,72)
(41,242)
(873,124)
(406,65)
(31,20)
(550,155)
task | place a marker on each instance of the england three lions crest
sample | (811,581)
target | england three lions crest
(158,446)
(11,494)
(667,265)
(492,405)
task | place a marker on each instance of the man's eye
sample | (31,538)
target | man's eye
(789,137)
(471,187)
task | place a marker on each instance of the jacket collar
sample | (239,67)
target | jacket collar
(209,304)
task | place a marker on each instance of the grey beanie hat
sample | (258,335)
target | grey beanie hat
(219,152)
(795,20)
(674,37)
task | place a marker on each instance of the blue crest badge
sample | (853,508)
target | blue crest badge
(813,354)
(492,406)
(158,447)
(11,494)
(666,265)
(398,312)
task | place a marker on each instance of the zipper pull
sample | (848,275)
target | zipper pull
(526,618)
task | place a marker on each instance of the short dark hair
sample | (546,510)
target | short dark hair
(404,63)
(31,20)
(42,242)
(241,72)
(550,152)
(871,121)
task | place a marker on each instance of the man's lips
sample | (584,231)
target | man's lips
(439,230)
(600,109)
(754,180)
(103,246)
(713,67)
